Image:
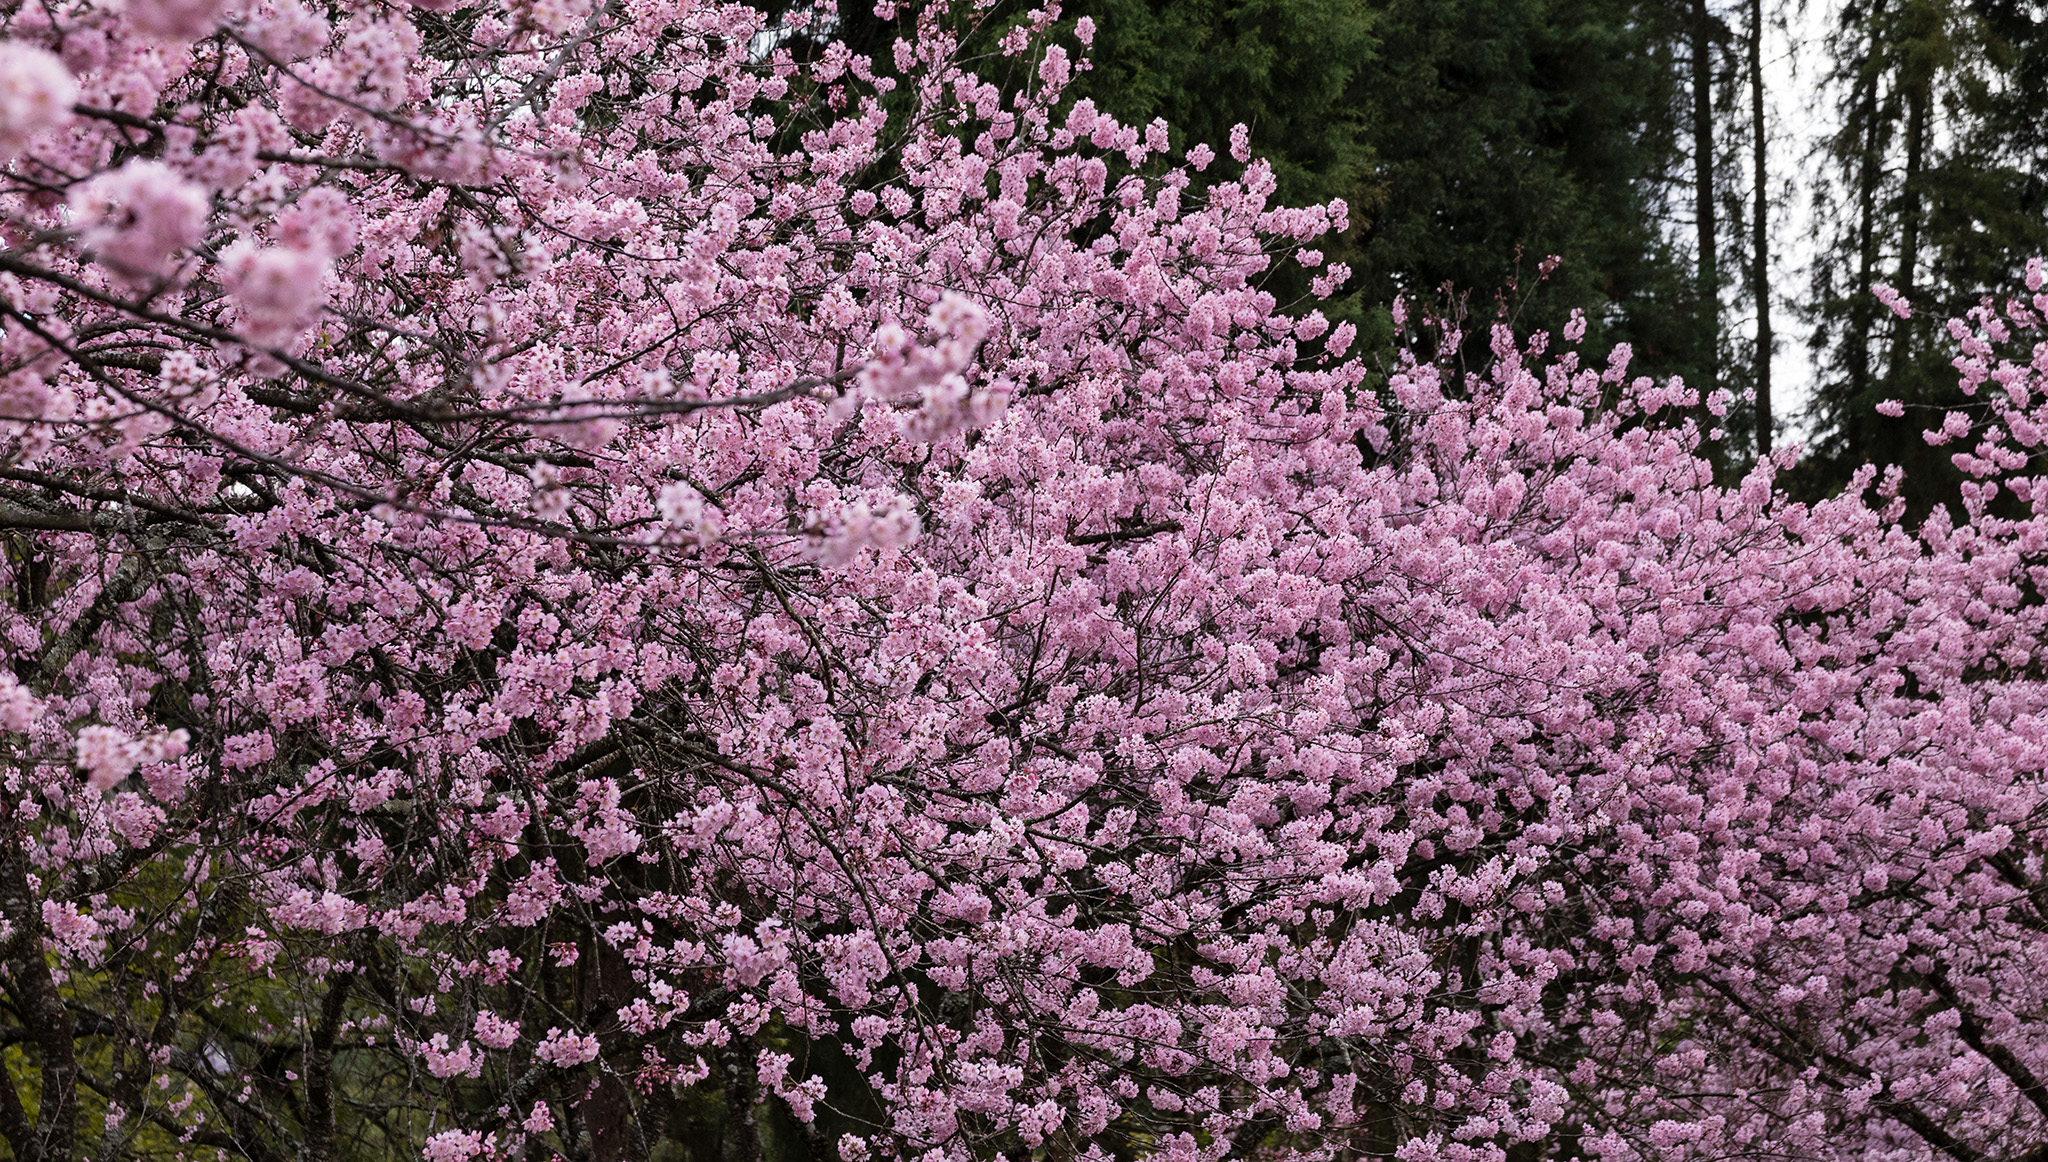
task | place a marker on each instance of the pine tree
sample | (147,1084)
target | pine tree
(1760,237)
(1937,188)
(1465,133)
(1536,127)
(1701,27)
(1748,197)
(1291,71)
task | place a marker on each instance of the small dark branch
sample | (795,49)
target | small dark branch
(246,1123)
(360,163)
(1909,1115)
(1138,533)
(1972,1031)
(102,495)
(143,361)
(118,117)
(14,516)
(1800,1053)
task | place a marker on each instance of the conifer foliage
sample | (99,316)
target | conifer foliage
(1934,184)
(583,588)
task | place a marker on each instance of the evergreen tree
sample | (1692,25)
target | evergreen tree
(1748,196)
(1465,133)
(1701,27)
(1292,71)
(1937,189)
(1542,126)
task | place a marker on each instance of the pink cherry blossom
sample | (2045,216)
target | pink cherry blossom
(442,1061)
(495,1032)
(454,1146)
(138,216)
(1894,301)
(36,95)
(107,755)
(277,289)
(566,1049)
(175,19)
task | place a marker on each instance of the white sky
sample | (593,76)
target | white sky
(1797,107)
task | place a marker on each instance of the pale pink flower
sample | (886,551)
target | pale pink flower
(134,818)
(175,19)
(864,525)
(77,932)
(494,1031)
(462,1060)
(1893,300)
(138,216)
(36,95)
(453,1146)
(277,289)
(566,1049)
(108,756)
(19,709)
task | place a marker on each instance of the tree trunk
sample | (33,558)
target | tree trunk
(319,1129)
(54,1136)
(1869,165)
(1703,193)
(742,1132)
(1760,244)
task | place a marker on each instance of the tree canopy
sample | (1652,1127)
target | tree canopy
(616,582)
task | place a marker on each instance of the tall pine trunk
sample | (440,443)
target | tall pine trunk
(1870,163)
(1760,244)
(1709,289)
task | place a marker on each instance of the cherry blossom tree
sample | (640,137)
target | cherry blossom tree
(581,586)
(1827,902)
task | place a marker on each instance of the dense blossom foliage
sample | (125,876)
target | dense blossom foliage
(568,569)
